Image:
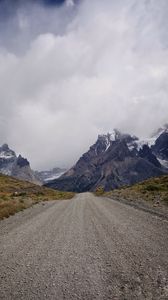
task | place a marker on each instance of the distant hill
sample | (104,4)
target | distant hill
(16,195)
(48,175)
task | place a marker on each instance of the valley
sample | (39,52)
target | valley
(74,244)
(83,150)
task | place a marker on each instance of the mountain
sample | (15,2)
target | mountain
(115,160)
(45,176)
(158,143)
(17,167)
(160,148)
(7,159)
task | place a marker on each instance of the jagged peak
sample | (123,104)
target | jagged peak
(4,147)
(21,161)
(6,152)
(109,136)
(107,139)
(116,135)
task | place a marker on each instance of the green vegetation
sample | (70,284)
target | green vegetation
(99,191)
(154,190)
(16,195)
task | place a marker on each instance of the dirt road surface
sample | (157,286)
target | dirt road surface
(84,248)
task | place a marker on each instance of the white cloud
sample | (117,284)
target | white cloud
(104,66)
(70,3)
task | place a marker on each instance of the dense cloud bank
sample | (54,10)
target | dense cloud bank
(71,71)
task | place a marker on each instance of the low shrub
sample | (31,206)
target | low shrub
(99,191)
(152,188)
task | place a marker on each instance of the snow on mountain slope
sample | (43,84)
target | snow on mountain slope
(163,162)
(146,141)
(54,176)
(150,141)
(5,155)
(46,176)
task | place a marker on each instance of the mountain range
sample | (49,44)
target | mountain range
(16,166)
(115,160)
(19,167)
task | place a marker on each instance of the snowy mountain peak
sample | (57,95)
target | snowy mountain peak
(108,138)
(12,165)
(117,136)
(6,152)
(115,161)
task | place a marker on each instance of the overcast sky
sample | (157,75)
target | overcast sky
(72,70)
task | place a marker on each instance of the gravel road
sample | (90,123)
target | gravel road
(84,248)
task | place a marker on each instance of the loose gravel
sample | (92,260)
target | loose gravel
(84,248)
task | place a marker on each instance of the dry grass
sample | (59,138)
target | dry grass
(99,191)
(16,195)
(154,190)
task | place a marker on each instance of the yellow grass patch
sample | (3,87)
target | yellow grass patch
(16,195)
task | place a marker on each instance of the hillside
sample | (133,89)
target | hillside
(16,195)
(153,192)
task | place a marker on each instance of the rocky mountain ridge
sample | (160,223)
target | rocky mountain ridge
(19,167)
(116,160)
(16,166)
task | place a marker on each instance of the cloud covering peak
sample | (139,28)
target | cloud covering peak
(72,71)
